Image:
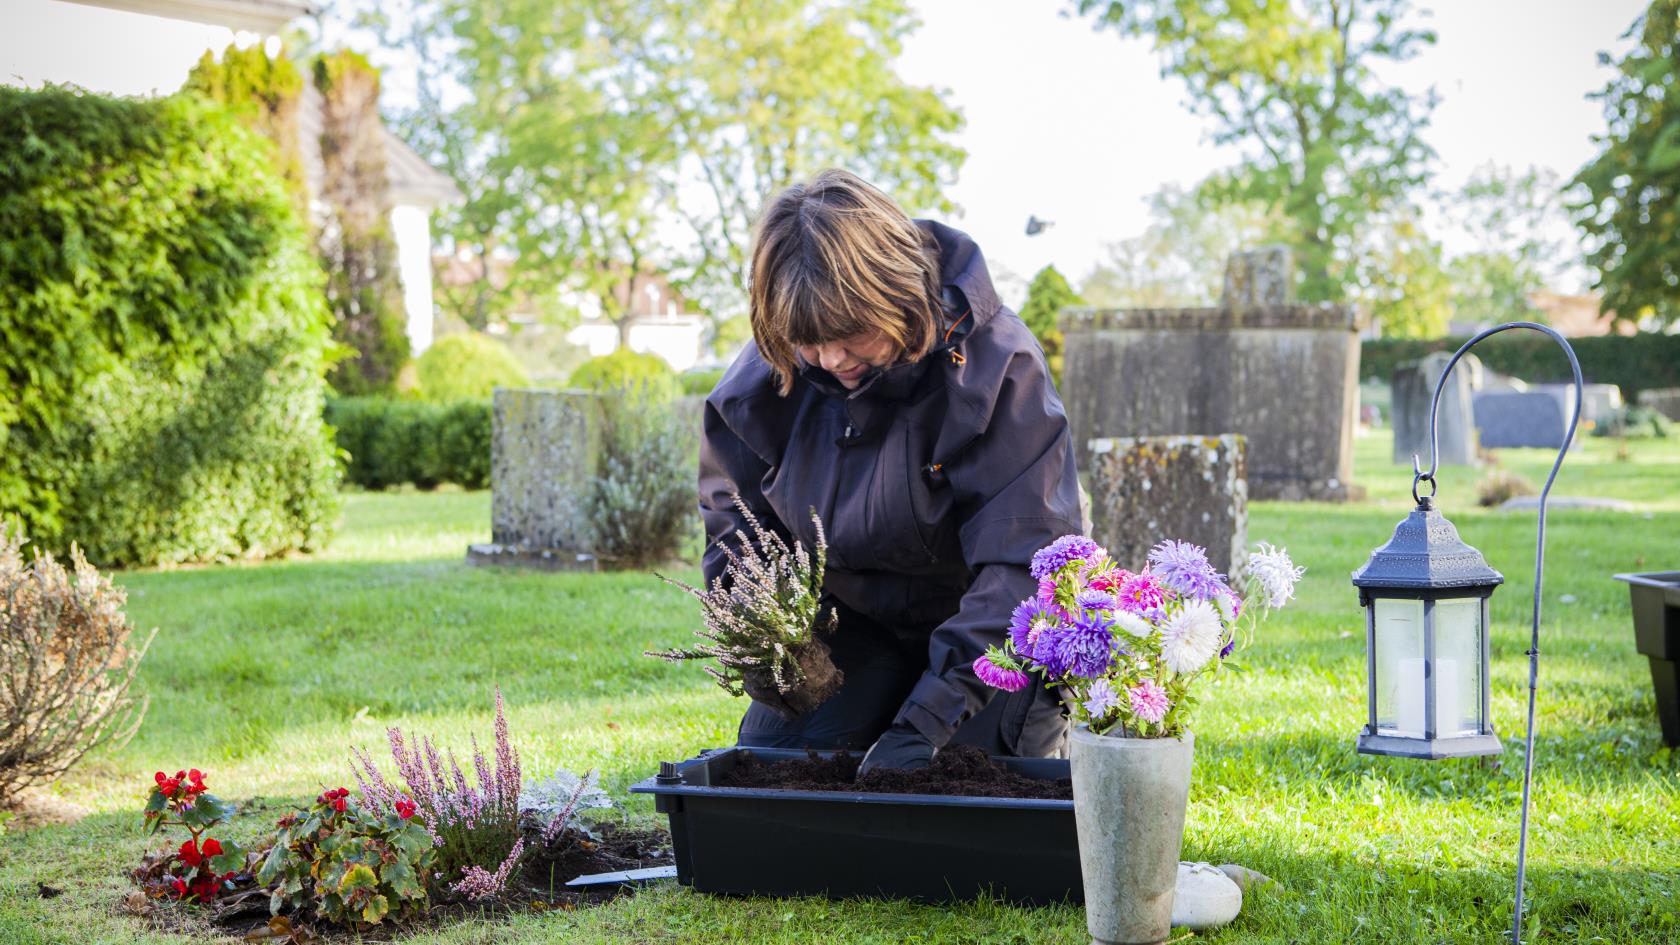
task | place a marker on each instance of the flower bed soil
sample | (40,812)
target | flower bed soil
(601,848)
(958,771)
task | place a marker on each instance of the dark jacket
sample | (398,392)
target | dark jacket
(936,480)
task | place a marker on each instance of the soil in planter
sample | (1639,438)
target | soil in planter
(960,771)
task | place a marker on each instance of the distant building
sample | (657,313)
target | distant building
(147,47)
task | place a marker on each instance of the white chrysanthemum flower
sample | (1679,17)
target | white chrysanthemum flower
(1276,573)
(1133,624)
(1191,637)
(1227,604)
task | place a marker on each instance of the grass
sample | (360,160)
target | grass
(266,674)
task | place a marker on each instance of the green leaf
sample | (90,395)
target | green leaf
(403,880)
(207,811)
(357,877)
(231,859)
(154,811)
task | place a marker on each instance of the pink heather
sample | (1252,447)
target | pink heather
(507,760)
(1149,701)
(478,883)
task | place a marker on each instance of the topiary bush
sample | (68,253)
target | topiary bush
(625,369)
(467,365)
(165,337)
(394,442)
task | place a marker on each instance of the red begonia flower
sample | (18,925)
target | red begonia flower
(180,887)
(405,808)
(158,777)
(212,847)
(338,805)
(189,853)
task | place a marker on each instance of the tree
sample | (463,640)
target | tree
(1048,294)
(1179,260)
(1517,225)
(768,92)
(1631,210)
(1295,85)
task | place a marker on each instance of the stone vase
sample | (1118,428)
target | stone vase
(1129,796)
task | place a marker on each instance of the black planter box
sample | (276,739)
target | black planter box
(754,841)
(1656,634)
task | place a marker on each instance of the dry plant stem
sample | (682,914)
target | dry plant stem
(65,665)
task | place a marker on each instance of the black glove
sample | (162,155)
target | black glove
(900,746)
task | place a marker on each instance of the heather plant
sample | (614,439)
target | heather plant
(66,661)
(348,862)
(1127,649)
(203,867)
(642,498)
(474,827)
(763,618)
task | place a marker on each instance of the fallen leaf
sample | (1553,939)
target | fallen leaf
(613,726)
(48,892)
(136,903)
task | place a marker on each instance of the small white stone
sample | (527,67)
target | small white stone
(1245,877)
(1205,897)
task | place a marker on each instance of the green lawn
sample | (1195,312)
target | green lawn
(266,675)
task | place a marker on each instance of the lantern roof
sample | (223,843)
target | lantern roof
(1426,553)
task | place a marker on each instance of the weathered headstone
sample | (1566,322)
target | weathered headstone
(1284,376)
(1260,278)
(1664,400)
(543,454)
(1191,488)
(1517,420)
(1413,389)
(1599,402)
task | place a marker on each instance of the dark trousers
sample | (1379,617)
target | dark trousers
(881,666)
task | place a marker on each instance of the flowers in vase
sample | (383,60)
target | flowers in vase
(1127,647)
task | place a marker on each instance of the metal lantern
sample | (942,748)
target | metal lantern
(1425,596)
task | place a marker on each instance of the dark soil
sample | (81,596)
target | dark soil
(959,771)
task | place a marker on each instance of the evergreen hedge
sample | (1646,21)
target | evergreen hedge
(393,442)
(1633,362)
(163,337)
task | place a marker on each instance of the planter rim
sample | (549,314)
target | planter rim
(1082,732)
(1666,581)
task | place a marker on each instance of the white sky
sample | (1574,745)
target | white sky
(1064,122)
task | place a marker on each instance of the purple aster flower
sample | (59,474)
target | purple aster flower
(1028,621)
(1230,644)
(1141,594)
(1184,568)
(1047,650)
(1085,648)
(1000,677)
(1089,599)
(1052,557)
(1101,698)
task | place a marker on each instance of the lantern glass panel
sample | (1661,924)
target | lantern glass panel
(1458,661)
(1398,628)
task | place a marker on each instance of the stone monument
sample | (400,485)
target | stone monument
(1191,488)
(1283,375)
(1517,420)
(1412,390)
(1664,400)
(542,456)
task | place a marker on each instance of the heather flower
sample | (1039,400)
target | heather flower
(1276,573)
(1007,678)
(1101,698)
(1191,637)
(1141,594)
(1051,558)
(1090,599)
(1084,649)
(1149,701)
(1184,568)
(478,883)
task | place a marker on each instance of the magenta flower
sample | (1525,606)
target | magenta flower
(1149,701)
(1141,594)
(1000,677)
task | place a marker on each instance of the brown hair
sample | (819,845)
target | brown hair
(833,258)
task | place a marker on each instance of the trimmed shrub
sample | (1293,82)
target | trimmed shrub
(467,365)
(392,442)
(624,370)
(164,331)
(1631,362)
(700,383)
(1635,423)
(1502,484)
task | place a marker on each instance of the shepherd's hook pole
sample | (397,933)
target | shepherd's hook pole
(1539,569)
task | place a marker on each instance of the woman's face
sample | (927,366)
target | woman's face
(849,359)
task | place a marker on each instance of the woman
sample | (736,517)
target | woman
(887,389)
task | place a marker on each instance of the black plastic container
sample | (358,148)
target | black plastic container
(1656,634)
(756,841)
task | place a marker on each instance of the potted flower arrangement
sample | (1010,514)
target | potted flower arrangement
(764,621)
(1128,651)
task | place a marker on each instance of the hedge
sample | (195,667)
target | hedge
(163,335)
(1633,363)
(395,442)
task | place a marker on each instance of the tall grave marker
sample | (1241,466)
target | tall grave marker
(1283,375)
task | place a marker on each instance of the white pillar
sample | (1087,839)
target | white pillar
(412,228)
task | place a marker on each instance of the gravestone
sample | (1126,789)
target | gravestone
(1518,420)
(543,452)
(1413,389)
(1664,400)
(1285,376)
(1599,402)
(1191,488)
